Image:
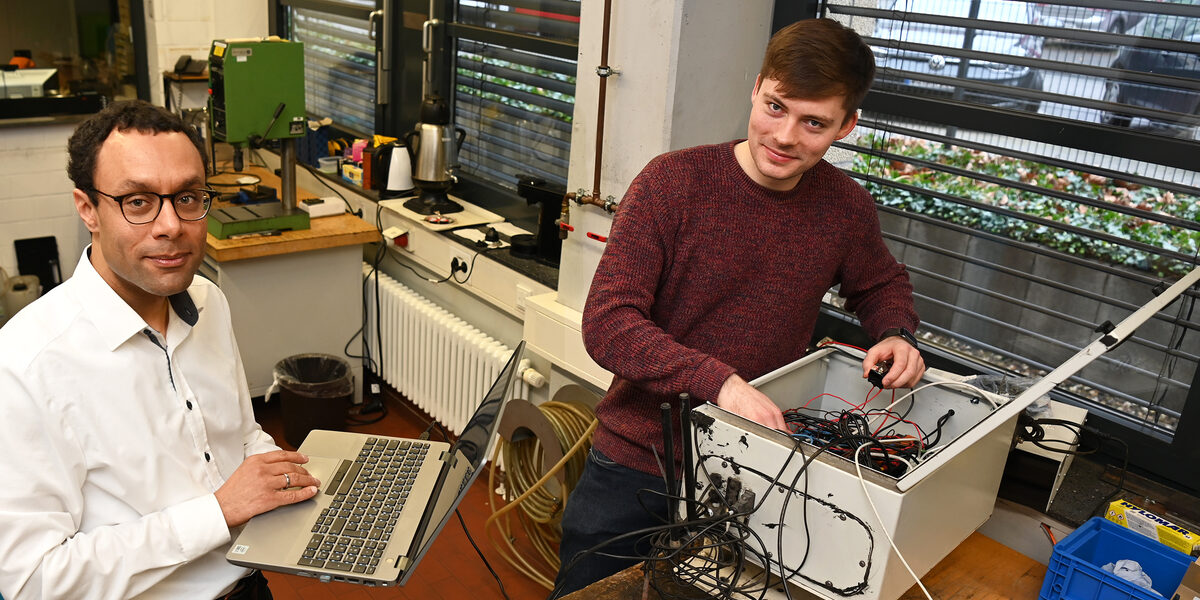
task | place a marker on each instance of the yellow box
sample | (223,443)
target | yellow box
(1153,526)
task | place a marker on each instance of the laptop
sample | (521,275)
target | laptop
(383,500)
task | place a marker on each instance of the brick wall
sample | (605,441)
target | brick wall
(35,193)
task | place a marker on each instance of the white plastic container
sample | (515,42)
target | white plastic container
(329,164)
(19,291)
(845,553)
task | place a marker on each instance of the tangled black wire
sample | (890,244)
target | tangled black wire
(711,556)
(717,553)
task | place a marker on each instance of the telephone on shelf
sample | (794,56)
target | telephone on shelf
(186,66)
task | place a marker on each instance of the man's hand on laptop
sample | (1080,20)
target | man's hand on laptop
(264,482)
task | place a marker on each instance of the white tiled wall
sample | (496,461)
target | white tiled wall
(178,27)
(35,193)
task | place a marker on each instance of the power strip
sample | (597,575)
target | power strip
(322,207)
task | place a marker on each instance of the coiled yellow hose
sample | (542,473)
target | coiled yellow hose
(525,487)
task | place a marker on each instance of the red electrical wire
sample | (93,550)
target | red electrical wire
(833,343)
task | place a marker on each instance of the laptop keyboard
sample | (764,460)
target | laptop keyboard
(368,495)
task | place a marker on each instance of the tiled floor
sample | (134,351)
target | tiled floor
(450,571)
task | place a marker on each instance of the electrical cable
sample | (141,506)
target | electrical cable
(1049,534)
(495,575)
(417,273)
(853,434)
(862,480)
(982,394)
(1032,430)
(1124,470)
(735,546)
(471,269)
(319,177)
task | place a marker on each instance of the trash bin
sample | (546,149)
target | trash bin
(315,393)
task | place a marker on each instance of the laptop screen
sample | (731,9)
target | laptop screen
(481,429)
(470,452)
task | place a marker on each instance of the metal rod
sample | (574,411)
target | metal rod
(287,173)
(689,470)
(669,467)
(603,93)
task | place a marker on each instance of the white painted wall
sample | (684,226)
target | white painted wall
(687,69)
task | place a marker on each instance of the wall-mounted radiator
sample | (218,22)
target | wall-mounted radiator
(438,361)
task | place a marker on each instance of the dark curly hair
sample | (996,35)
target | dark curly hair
(137,115)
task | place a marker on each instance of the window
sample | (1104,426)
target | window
(514,88)
(1034,167)
(339,62)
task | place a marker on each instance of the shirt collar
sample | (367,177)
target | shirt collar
(115,320)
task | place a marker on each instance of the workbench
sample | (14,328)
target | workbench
(294,293)
(980,569)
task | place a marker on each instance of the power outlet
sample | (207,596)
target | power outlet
(460,261)
(522,293)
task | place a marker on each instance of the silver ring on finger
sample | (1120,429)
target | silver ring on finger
(287,481)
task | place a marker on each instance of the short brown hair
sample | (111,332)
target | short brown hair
(820,58)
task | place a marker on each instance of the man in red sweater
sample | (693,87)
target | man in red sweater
(714,273)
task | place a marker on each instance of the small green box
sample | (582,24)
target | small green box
(248,82)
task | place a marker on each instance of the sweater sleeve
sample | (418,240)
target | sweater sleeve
(875,285)
(619,330)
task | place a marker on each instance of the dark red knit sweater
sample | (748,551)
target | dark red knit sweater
(707,273)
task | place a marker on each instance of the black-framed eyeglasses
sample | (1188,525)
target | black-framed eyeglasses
(140,208)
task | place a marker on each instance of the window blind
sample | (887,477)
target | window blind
(514,102)
(1036,190)
(339,65)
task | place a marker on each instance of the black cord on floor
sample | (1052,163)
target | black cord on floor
(495,575)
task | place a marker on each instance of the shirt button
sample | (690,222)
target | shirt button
(189,404)
(207,457)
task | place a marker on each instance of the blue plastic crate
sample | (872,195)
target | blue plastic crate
(1076,567)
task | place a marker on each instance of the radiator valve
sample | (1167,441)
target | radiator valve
(530,374)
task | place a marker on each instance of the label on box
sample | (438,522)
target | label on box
(1152,526)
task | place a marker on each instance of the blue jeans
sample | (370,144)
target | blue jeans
(605,504)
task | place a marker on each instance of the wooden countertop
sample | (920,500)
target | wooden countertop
(980,568)
(324,232)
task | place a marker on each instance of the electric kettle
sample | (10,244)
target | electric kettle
(393,170)
(433,147)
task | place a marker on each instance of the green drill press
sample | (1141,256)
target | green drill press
(257,94)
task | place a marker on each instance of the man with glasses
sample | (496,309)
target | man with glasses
(128,448)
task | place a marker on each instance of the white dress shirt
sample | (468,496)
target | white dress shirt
(112,442)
